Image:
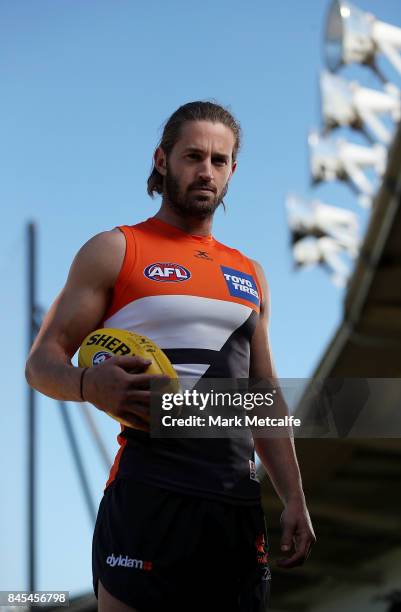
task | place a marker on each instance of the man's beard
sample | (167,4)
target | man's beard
(191,203)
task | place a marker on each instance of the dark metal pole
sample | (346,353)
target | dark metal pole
(31,410)
(78,460)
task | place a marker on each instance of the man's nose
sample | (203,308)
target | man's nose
(205,170)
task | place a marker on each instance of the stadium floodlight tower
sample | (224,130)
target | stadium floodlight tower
(353,35)
(332,160)
(347,103)
(314,218)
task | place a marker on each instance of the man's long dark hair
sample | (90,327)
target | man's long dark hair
(193,111)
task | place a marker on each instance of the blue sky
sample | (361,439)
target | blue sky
(86,87)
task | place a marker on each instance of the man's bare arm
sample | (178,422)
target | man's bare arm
(76,311)
(117,385)
(277,454)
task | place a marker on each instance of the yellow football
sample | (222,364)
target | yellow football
(101,344)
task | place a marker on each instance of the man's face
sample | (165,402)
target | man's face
(198,168)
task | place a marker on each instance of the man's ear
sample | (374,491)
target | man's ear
(233,168)
(160,161)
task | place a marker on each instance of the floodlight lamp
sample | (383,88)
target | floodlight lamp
(348,36)
(341,160)
(337,103)
(306,252)
(347,103)
(299,217)
(314,218)
(353,35)
(325,164)
(310,252)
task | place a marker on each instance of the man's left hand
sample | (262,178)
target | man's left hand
(298,536)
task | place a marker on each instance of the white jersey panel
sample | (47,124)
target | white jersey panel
(182,321)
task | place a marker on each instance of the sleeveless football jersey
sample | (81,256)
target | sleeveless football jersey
(199,300)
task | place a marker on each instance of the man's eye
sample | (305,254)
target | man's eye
(221,162)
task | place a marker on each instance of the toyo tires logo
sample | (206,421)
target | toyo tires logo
(163,272)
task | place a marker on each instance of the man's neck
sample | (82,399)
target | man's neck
(190,225)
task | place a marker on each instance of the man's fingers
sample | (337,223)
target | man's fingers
(140,397)
(137,400)
(287,537)
(143,381)
(302,551)
(132,363)
(293,561)
(136,403)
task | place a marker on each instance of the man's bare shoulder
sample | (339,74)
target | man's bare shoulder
(265,301)
(110,243)
(100,258)
(114,239)
(258,267)
(260,272)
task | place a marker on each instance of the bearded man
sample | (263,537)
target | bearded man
(180,525)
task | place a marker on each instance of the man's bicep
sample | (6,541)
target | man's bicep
(73,314)
(82,303)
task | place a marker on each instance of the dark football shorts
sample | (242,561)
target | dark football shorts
(155,549)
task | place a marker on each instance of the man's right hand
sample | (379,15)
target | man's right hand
(121,387)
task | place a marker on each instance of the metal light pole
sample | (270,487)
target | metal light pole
(31,433)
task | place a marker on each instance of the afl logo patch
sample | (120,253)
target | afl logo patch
(167,272)
(101,356)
